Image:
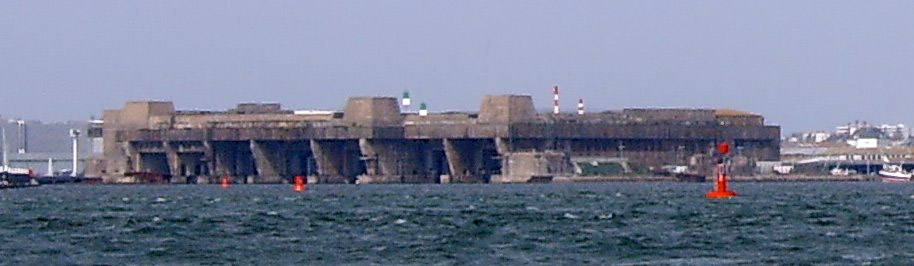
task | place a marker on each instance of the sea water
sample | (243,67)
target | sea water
(485,224)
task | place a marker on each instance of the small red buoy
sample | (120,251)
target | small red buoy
(721,191)
(300,185)
(225,182)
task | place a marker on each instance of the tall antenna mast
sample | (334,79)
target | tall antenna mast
(74,134)
(50,167)
(22,135)
(6,160)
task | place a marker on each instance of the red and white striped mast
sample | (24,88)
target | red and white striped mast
(555,100)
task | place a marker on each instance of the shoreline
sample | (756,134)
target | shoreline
(611,179)
(759,178)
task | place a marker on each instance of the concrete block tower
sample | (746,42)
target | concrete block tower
(372,111)
(506,109)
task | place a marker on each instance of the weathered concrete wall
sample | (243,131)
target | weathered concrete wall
(670,114)
(230,120)
(396,161)
(338,161)
(523,167)
(372,111)
(270,159)
(134,116)
(506,109)
(464,159)
(138,114)
(738,118)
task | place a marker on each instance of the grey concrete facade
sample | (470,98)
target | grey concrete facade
(373,142)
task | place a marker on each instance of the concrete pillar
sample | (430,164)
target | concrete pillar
(325,162)
(133,157)
(464,160)
(370,157)
(503,146)
(223,160)
(209,158)
(234,159)
(379,168)
(175,163)
(454,159)
(504,150)
(270,161)
(330,157)
(393,161)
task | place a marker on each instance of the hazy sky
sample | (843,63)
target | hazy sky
(802,64)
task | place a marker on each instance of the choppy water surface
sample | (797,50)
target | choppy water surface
(612,223)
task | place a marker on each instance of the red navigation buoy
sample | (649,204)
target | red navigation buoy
(225,182)
(720,190)
(300,185)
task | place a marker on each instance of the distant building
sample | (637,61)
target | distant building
(858,146)
(32,144)
(810,137)
(864,143)
(858,134)
(895,132)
